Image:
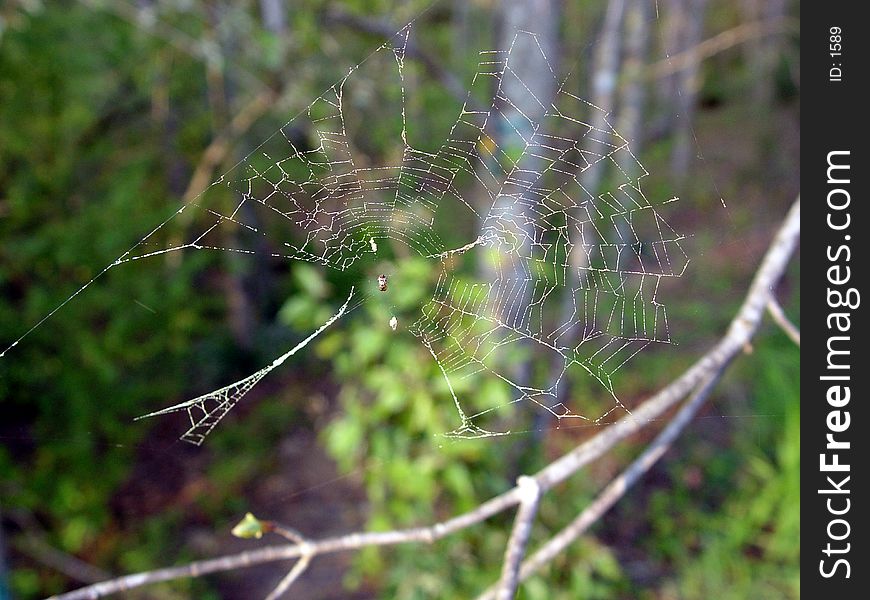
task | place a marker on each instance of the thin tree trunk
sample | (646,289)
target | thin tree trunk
(632,100)
(522,112)
(688,84)
(527,87)
(461,31)
(762,53)
(241,315)
(274,19)
(526,98)
(633,89)
(166,121)
(526,92)
(273,16)
(604,77)
(673,19)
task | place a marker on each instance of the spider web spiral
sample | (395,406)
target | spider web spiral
(574,270)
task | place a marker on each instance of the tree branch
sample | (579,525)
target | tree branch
(431,65)
(702,376)
(530,497)
(292,576)
(746,323)
(778,315)
(74,568)
(219,148)
(718,43)
(615,490)
(300,566)
(353,541)
(145,17)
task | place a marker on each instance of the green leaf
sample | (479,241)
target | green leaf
(249,527)
(310,280)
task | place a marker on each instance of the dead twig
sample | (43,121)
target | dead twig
(300,566)
(292,576)
(530,497)
(718,43)
(779,316)
(46,554)
(430,63)
(615,490)
(220,147)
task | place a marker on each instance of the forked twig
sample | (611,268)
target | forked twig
(292,576)
(718,43)
(530,497)
(779,316)
(614,491)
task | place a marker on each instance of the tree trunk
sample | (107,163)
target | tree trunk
(633,91)
(673,19)
(632,100)
(762,53)
(526,92)
(688,84)
(273,16)
(461,15)
(241,312)
(604,76)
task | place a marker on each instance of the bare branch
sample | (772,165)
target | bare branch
(516,547)
(286,532)
(145,18)
(718,43)
(741,330)
(41,551)
(220,147)
(353,541)
(300,566)
(702,375)
(615,490)
(292,576)
(35,545)
(430,63)
(779,316)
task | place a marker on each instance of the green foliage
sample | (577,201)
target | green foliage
(78,177)
(390,430)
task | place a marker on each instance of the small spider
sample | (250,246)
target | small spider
(382,282)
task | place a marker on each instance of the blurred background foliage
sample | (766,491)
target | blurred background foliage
(114,113)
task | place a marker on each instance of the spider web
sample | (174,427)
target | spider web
(574,270)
